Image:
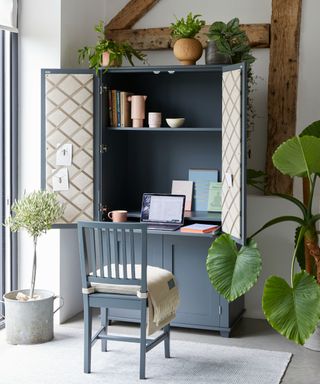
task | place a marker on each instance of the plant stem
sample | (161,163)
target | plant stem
(34,266)
(300,237)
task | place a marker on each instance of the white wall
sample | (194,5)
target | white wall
(51,33)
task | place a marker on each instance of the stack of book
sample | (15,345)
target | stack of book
(119,108)
(200,228)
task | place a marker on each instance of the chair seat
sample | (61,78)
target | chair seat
(126,289)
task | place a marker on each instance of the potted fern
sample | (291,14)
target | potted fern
(29,312)
(292,308)
(187,48)
(107,52)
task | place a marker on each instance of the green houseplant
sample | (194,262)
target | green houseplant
(35,213)
(187,48)
(228,43)
(292,309)
(29,313)
(112,51)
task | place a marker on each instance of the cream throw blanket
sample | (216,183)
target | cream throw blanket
(163,294)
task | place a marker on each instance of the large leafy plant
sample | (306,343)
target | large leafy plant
(117,51)
(186,28)
(292,308)
(231,41)
(35,213)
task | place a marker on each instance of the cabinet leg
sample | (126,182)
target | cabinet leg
(225,333)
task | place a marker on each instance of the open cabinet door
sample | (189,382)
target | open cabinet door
(234,97)
(68,140)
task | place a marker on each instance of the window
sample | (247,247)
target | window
(8,160)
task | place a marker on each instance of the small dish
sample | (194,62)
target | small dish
(175,122)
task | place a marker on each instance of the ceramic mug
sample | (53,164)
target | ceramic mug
(154,119)
(118,216)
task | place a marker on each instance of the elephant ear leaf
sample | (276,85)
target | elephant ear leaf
(233,272)
(312,129)
(292,311)
(299,156)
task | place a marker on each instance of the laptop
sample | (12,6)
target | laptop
(162,212)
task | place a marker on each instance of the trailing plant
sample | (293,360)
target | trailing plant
(35,213)
(117,51)
(233,42)
(292,308)
(186,28)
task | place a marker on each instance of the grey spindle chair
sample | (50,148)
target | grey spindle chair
(108,257)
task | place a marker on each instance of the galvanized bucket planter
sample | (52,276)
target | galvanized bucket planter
(30,322)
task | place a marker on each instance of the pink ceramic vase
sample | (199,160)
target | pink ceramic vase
(137,110)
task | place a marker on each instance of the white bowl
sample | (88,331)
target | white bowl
(175,122)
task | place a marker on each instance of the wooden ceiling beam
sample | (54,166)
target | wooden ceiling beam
(282,86)
(131,13)
(160,38)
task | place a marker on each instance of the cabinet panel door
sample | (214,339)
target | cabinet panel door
(68,126)
(233,153)
(199,302)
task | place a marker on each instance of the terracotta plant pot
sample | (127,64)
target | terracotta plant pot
(187,51)
(106,61)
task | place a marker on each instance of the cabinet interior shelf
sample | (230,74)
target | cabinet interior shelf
(164,129)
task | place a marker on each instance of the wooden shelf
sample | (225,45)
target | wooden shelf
(164,129)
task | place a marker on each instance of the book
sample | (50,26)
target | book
(183,187)
(201,180)
(118,108)
(125,110)
(214,198)
(200,228)
(114,108)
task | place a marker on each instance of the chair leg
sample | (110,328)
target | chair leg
(104,323)
(87,334)
(143,329)
(167,341)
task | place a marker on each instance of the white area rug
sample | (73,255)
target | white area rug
(60,361)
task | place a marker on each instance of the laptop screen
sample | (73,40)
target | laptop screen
(162,208)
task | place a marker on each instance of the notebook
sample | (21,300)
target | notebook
(162,212)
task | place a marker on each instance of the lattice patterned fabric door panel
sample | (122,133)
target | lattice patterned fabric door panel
(231,154)
(69,129)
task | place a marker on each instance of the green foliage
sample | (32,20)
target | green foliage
(299,156)
(35,213)
(186,28)
(231,41)
(292,311)
(117,51)
(233,272)
(256,179)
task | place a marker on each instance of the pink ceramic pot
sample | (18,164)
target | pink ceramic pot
(137,110)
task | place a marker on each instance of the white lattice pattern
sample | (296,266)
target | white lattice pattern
(69,119)
(231,153)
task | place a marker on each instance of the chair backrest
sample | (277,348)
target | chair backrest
(110,252)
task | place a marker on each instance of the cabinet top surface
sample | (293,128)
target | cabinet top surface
(173,68)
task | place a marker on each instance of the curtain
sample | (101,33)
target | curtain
(9,15)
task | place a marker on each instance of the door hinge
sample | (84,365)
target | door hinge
(220,310)
(103,148)
(103,88)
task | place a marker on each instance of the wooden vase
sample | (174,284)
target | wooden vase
(187,50)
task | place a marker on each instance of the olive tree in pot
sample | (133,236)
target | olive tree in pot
(292,308)
(29,313)
(187,49)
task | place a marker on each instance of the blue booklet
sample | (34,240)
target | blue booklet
(201,181)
